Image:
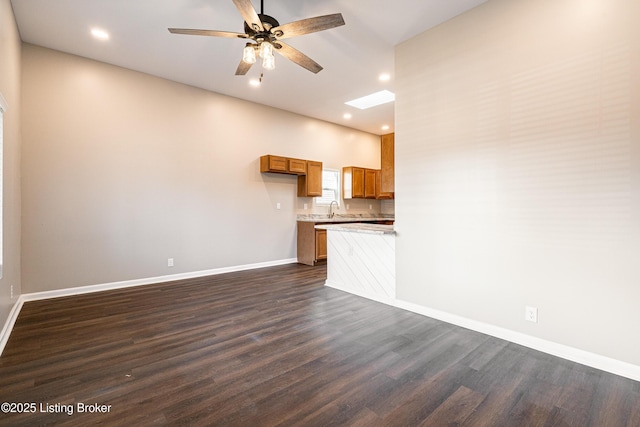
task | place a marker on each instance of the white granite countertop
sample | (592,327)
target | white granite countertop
(359,227)
(342,218)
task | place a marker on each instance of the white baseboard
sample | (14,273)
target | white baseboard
(593,360)
(150,280)
(11,321)
(15,311)
(378,298)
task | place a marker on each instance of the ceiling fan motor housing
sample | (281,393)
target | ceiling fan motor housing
(268,22)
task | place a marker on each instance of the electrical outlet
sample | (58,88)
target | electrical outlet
(347,206)
(11,291)
(370,207)
(277,205)
(350,250)
(170,262)
(531,314)
(305,206)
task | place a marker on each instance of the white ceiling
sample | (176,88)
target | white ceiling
(352,55)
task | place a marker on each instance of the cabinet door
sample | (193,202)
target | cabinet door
(379,193)
(306,242)
(321,244)
(271,163)
(357,183)
(297,166)
(310,185)
(370,183)
(387,163)
(352,182)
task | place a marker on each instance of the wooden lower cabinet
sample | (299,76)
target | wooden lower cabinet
(312,243)
(321,244)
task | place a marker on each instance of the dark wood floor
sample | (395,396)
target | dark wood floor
(275,347)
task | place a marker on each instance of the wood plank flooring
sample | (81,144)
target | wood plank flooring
(274,347)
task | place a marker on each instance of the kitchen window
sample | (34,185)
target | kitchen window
(330,187)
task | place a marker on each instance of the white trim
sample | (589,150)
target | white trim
(593,360)
(3,103)
(371,296)
(150,280)
(36,296)
(11,321)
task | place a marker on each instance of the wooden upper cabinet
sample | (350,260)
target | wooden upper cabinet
(280,164)
(352,182)
(310,185)
(358,183)
(387,166)
(309,172)
(275,164)
(357,180)
(369,183)
(297,166)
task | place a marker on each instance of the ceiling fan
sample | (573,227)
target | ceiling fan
(266,33)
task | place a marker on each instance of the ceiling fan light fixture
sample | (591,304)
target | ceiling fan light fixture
(269,62)
(266,50)
(249,54)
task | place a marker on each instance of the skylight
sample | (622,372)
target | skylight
(372,100)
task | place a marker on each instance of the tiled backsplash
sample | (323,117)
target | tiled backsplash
(357,207)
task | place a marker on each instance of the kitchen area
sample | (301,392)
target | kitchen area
(357,245)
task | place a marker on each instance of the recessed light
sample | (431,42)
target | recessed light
(385,127)
(384,77)
(346,116)
(372,100)
(254,82)
(100,34)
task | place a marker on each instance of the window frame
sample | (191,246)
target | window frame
(322,201)
(3,109)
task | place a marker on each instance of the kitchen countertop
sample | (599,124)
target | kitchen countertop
(342,218)
(359,228)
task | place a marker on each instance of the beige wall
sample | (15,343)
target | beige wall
(10,89)
(122,170)
(518,170)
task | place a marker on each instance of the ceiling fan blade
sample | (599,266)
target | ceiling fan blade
(243,68)
(298,57)
(249,14)
(309,25)
(214,33)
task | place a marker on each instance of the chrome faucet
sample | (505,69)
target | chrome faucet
(331,213)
